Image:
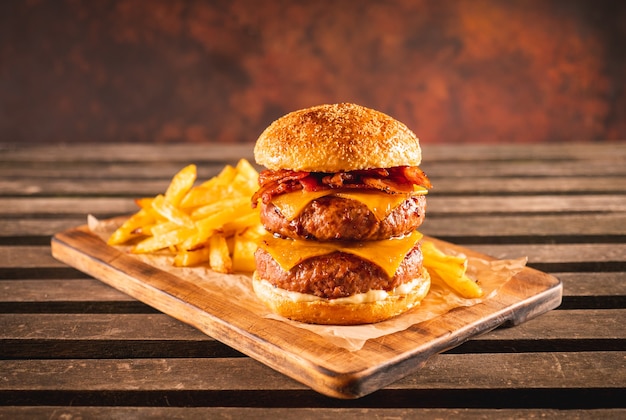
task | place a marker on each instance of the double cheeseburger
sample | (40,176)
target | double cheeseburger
(341,200)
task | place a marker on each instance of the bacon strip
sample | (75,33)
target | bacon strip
(415,175)
(400,179)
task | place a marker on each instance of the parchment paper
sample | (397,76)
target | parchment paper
(491,276)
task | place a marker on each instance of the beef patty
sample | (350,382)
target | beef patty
(338,274)
(336,218)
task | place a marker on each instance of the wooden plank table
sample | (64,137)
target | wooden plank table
(70,346)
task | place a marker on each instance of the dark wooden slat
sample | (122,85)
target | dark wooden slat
(63,336)
(593,284)
(600,324)
(486,205)
(54,187)
(529,169)
(56,290)
(555,325)
(556,228)
(89,171)
(26,231)
(27,257)
(96,327)
(523,185)
(593,290)
(61,154)
(67,296)
(220,152)
(598,254)
(202,413)
(60,206)
(605,370)
(513,380)
(33,262)
(522,152)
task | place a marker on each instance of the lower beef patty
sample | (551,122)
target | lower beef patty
(337,275)
(336,218)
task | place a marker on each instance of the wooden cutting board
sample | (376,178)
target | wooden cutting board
(296,352)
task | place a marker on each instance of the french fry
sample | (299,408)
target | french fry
(247,170)
(181,183)
(131,228)
(241,203)
(244,248)
(144,203)
(451,269)
(243,223)
(167,210)
(199,196)
(223,178)
(246,177)
(156,243)
(219,255)
(208,226)
(161,228)
(192,258)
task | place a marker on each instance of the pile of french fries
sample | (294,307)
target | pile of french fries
(212,222)
(215,223)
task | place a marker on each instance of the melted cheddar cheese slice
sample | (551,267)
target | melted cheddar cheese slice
(378,202)
(387,254)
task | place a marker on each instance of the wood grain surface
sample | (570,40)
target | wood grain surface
(71,345)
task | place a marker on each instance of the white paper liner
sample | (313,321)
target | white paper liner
(491,275)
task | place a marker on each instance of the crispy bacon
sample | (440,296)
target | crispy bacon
(281,175)
(415,175)
(388,185)
(400,179)
(339,179)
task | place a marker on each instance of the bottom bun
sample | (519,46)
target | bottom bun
(314,310)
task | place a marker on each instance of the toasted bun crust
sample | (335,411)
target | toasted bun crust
(338,137)
(328,313)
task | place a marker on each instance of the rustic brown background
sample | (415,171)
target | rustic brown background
(200,71)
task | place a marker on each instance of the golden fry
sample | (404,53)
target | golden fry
(159,229)
(192,258)
(242,204)
(451,269)
(180,185)
(243,223)
(202,196)
(167,210)
(219,255)
(131,229)
(223,178)
(243,249)
(144,203)
(157,243)
(247,178)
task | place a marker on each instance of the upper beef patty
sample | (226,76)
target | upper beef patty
(336,218)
